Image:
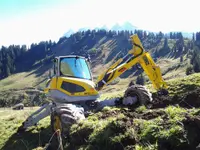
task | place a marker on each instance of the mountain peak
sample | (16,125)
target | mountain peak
(125,26)
(68,33)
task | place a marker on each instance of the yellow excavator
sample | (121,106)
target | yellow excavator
(72,92)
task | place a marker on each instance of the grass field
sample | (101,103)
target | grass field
(10,120)
(173,126)
(33,78)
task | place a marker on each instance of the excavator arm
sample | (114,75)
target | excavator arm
(136,55)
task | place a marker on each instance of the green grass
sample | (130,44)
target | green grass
(184,84)
(180,85)
(146,146)
(24,79)
(34,137)
(28,96)
(125,132)
(96,132)
(113,127)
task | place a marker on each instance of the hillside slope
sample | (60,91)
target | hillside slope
(171,122)
(173,55)
(103,46)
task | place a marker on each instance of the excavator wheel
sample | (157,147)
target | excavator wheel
(58,125)
(63,117)
(137,94)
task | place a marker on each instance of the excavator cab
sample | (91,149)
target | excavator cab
(72,81)
(72,66)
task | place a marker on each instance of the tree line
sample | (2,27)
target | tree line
(16,58)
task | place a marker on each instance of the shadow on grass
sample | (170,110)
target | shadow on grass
(31,139)
(40,70)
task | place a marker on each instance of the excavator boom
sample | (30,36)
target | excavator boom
(136,55)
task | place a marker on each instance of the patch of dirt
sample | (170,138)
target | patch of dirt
(190,134)
(192,128)
(108,113)
(152,115)
(188,100)
(130,113)
(80,137)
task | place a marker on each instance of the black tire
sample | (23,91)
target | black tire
(144,97)
(64,127)
(67,117)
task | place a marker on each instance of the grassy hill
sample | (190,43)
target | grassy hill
(172,122)
(104,48)
(15,88)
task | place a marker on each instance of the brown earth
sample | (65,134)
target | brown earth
(191,125)
(190,99)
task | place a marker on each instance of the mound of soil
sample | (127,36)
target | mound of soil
(190,126)
(187,100)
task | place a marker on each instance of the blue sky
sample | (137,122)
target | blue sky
(28,21)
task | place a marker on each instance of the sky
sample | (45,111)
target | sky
(32,21)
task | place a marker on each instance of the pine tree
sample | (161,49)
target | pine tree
(193,37)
